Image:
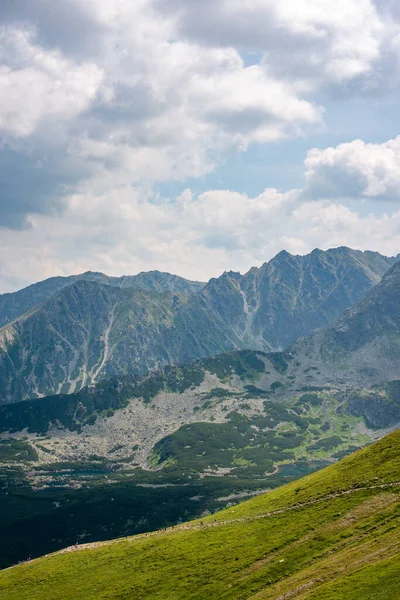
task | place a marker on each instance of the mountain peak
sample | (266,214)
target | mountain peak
(283,254)
(232,274)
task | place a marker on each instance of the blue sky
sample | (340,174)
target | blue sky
(280,164)
(162,135)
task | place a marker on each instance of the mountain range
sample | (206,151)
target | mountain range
(65,333)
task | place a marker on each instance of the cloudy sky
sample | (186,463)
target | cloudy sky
(192,136)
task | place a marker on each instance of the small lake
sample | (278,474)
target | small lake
(299,469)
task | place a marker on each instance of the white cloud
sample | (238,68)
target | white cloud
(122,93)
(145,107)
(42,86)
(125,231)
(310,41)
(355,169)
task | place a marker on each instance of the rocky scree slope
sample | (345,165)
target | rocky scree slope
(242,397)
(90,331)
(332,535)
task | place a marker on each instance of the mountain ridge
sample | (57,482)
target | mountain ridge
(16,304)
(361,349)
(117,330)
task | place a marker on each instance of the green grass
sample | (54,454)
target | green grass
(16,451)
(332,535)
(378,582)
(306,431)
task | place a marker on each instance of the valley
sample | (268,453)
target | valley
(137,454)
(332,535)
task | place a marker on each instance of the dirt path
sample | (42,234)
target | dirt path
(211,524)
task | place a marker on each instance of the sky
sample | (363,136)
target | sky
(195,136)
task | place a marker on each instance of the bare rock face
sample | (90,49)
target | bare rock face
(67,333)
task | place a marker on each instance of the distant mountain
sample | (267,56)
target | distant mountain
(14,305)
(88,330)
(353,363)
(291,296)
(359,350)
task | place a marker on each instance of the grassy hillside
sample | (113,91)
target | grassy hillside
(333,535)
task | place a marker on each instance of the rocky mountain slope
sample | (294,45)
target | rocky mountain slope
(330,536)
(142,421)
(363,345)
(89,330)
(291,296)
(17,304)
